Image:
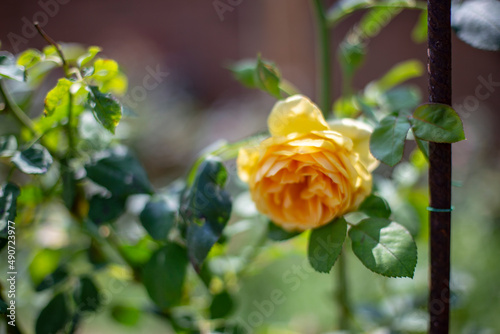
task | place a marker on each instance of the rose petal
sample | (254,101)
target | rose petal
(359,133)
(296,114)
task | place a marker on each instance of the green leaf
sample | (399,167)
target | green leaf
(375,20)
(351,56)
(477,24)
(402,98)
(341,9)
(69,184)
(222,305)
(140,253)
(8,207)
(29,58)
(376,207)
(8,67)
(87,57)
(388,139)
(437,123)
(8,146)
(56,277)
(276,233)
(106,209)
(106,75)
(126,315)
(345,106)
(58,97)
(400,73)
(423,147)
(206,209)
(158,217)
(268,78)
(119,171)
(105,69)
(164,275)
(34,160)
(86,295)
(45,262)
(54,317)
(244,71)
(325,245)
(3,307)
(106,109)
(384,247)
(419,32)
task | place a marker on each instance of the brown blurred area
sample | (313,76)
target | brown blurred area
(191,41)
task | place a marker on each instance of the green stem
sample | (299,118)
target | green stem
(69,128)
(325,67)
(341,293)
(17,112)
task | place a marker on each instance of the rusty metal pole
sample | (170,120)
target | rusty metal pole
(439,68)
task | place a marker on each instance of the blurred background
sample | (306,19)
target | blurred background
(199,102)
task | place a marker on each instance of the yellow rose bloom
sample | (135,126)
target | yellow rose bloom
(309,171)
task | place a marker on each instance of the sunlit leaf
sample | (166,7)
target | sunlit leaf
(419,32)
(45,262)
(400,73)
(88,57)
(58,97)
(107,110)
(29,58)
(108,77)
(126,315)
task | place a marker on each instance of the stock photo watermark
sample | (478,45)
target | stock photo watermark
(150,82)
(49,9)
(223,6)
(483,91)
(11,273)
(292,279)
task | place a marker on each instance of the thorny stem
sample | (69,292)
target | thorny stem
(325,67)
